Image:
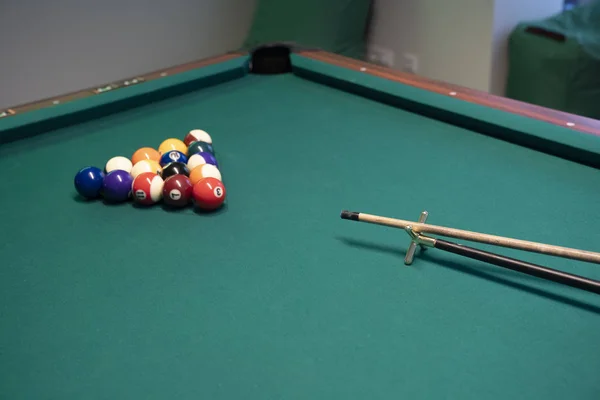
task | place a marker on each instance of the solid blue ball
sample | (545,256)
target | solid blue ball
(88,182)
(173,156)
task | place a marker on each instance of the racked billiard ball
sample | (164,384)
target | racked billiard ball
(118,162)
(175,168)
(173,156)
(201,158)
(145,153)
(116,186)
(204,171)
(209,193)
(172,144)
(200,147)
(177,191)
(145,166)
(88,182)
(147,188)
(197,135)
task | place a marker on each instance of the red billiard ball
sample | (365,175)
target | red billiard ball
(147,188)
(177,191)
(197,135)
(209,193)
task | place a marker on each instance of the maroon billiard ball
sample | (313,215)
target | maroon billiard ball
(177,191)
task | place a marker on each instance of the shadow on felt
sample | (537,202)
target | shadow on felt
(210,213)
(80,199)
(480,270)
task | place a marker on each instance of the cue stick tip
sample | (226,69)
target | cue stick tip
(351,215)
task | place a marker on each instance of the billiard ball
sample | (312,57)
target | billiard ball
(209,193)
(175,168)
(88,182)
(201,158)
(116,186)
(197,135)
(145,166)
(204,171)
(145,153)
(173,156)
(119,162)
(172,144)
(200,147)
(177,191)
(147,188)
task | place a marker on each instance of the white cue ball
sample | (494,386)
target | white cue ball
(118,162)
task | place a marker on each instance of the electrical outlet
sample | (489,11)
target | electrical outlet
(381,56)
(410,63)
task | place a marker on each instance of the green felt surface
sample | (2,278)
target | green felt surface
(275,296)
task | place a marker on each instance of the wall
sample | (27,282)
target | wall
(458,41)
(451,38)
(53,47)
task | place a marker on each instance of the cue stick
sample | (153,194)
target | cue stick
(565,252)
(575,281)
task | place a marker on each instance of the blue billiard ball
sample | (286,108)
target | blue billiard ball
(117,186)
(173,156)
(88,182)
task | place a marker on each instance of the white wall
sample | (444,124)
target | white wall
(456,41)
(451,38)
(50,47)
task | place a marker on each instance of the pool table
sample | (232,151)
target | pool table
(274,296)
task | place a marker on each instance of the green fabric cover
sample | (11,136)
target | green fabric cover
(338,26)
(559,65)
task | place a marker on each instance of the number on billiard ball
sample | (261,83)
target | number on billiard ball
(177,191)
(173,156)
(209,193)
(147,188)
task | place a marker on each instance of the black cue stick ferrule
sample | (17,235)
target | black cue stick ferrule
(575,281)
(351,215)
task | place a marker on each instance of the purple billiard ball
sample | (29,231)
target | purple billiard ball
(202,158)
(117,186)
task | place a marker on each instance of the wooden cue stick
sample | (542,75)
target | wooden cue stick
(565,252)
(575,281)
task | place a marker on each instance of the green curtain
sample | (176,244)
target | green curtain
(555,62)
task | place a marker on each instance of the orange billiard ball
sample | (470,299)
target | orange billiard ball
(204,171)
(145,153)
(209,193)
